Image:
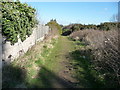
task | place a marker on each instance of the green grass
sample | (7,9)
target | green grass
(48,64)
(84,71)
(33,60)
(49,68)
(41,69)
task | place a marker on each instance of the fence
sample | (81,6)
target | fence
(11,52)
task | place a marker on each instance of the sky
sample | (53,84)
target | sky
(75,12)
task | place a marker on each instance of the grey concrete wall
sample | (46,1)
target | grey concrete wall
(11,52)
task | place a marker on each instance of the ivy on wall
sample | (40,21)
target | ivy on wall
(18,19)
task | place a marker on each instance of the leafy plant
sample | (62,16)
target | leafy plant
(18,19)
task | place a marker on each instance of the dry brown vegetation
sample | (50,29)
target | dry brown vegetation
(103,47)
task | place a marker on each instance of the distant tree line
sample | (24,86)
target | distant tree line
(66,30)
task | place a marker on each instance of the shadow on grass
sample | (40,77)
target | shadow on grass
(48,79)
(15,77)
(12,76)
(85,74)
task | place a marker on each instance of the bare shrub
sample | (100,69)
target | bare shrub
(105,53)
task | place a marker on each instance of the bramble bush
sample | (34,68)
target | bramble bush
(105,54)
(18,19)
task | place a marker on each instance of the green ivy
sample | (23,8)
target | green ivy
(18,19)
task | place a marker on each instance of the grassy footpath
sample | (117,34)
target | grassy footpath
(58,63)
(49,72)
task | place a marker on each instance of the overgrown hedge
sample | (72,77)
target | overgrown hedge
(18,19)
